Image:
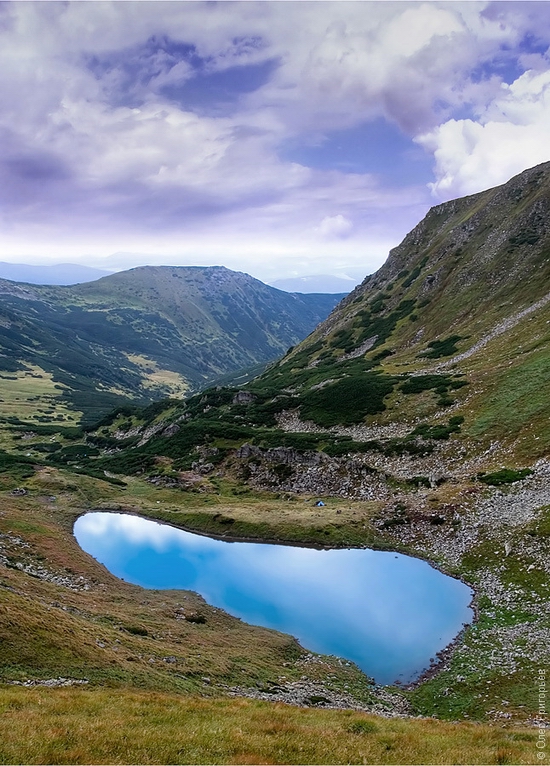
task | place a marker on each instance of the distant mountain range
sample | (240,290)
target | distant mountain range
(55,274)
(146,333)
(74,274)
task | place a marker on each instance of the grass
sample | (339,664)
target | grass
(82,726)
(116,634)
(516,404)
(33,395)
(504,476)
(172,383)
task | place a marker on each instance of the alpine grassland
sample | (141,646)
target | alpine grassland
(131,726)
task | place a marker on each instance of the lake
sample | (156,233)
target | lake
(388,613)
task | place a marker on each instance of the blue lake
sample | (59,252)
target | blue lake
(387,612)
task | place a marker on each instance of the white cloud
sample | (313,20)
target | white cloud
(96,156)
(335,226)
(511,135)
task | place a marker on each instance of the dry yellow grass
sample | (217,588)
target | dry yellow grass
(154,377)
(81,726)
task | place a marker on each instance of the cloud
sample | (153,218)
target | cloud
(335,226)
(162,124)
(512,134)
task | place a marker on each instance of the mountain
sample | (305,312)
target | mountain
(316,283)
(447,344)
(56,274)
(141,334)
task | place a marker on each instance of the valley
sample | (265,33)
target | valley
(417,410)
(150,332)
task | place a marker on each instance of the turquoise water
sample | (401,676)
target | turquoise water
(387,612)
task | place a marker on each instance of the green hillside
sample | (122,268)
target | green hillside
(447,341)
(140,335)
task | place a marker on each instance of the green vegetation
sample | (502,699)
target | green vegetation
(445,347)
(504,476)
(415,273)
(442,385)
(144,334)
(439,431)
(14,467)
(348,400)
(515,404)
(525,237)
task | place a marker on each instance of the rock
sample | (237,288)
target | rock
(243,397)
(170,430)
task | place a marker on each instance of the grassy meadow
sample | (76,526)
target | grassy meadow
(83,726)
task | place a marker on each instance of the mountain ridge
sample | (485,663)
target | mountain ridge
(147,332)
(420,358)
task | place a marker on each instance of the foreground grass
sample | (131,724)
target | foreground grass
(101,726)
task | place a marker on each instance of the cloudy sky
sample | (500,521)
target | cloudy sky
(277,138)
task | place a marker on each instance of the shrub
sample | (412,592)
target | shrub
(135,630)
(439,431)
(525,237)
(445,347)
(504,476)
(348,400)
(198,619)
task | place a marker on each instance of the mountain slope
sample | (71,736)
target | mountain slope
(456,324)
(146,332)
(465,297)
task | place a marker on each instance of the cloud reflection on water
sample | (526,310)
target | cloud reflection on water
(388,613)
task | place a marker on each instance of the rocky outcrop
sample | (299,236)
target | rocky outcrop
(309,472)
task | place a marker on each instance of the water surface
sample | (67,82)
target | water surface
(387,612)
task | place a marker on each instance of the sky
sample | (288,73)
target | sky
(277,138)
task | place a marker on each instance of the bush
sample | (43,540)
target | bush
(525,237)
(198,619)
(439,383)
(439,431)
(135,630)
(504,476)
(445,347)
(349,400)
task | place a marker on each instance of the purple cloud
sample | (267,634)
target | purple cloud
(287,135)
